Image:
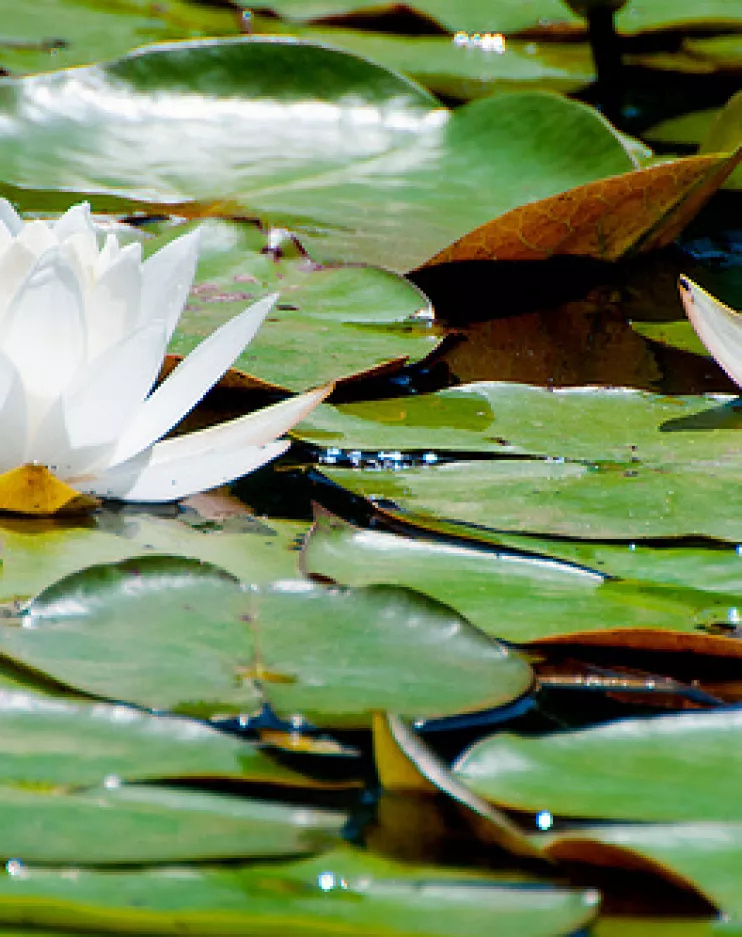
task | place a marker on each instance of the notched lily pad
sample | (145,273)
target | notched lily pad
(335,655)
(161,632)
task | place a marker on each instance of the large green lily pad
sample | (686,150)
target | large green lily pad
(336,655)
(52,34)
(710,566)
(592,423)
(150,824)
(662,768)
(329,322)
(708,856)
(509,595)
(162,632)
(347,153)
(60,742)
(37,552)
(204,644)
(608,502)
(459,70)
(515,15)
(350,894)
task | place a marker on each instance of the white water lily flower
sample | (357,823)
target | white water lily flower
(718,327)
(83,333)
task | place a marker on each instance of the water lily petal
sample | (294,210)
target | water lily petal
(37,237)
(12,416)
(112,305)
(253,429)
(718,327)
(107,395)
(74,221)
(166,280)
(145,479)
(43,331)
(15,265)
(10,217)
(193,377)
(50,445)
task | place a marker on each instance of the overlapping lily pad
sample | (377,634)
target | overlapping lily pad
(57,742)
(661,768)
(704,856)
(589,423)
(508,594)
(75,32)
(342,892)
(330,322)
(162,632)
(553,497)
(517,15)
(156,824)
(205,645)
(36,553)
(345,152)
(336,655)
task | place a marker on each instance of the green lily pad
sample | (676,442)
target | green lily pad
(608,502)
(725,134)
(661,768)
(333,655)
(350,894)
(37,552)
(458,70)
(712,567)
(508,595)
(329,321)
(348,154)
(592,423)
(336,655)
(707,856)
(52,34)
(59,742)
(162,632)
(516,15)
(151,824)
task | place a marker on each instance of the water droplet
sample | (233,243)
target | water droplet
(326,881)
(544,820)
(15,867)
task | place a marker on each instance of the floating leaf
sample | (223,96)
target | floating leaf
(705,857)
(330,322)
(75,32)
(262,154)
(517,15)
(342,892)
(37,552)
(660,768)
(511,595)
(607,219)
(336,655)
(59,742)
(162,632)
(725,133)
(331,654)
(603,502)
(150,824)
(599,424)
